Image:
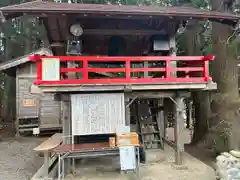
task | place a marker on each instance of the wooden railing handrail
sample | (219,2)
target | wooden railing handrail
(203,61)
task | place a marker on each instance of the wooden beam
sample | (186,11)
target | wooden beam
(133,87)
(92,16)
(122,32)
(157,94)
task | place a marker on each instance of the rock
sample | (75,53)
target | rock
(1,127)
(235,153)
(233,172)
(237,165)
(221,174)
(222,161)
(238,176)
(228,166)
(229,177)
(226,154)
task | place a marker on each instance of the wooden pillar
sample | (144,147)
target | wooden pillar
(178,130)
(160,119)
(168,110)
(172,44)
(189,113)
(127,110)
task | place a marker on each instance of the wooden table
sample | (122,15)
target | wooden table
(82,150)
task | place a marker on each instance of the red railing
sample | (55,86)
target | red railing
(189,65)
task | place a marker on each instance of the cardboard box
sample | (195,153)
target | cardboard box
(127,139)
(112,142)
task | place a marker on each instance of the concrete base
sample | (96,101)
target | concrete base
(180,167)
(154,156)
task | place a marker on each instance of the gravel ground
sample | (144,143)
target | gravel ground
(18,161)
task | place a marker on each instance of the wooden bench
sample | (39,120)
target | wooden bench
(47,148)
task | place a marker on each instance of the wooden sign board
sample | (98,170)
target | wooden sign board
(29,102)
(50,69)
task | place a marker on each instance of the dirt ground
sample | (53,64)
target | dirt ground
(108,169)
(18,161)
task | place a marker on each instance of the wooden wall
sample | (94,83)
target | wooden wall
(98,45)
(30,106)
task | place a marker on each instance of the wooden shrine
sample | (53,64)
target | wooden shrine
(116,67)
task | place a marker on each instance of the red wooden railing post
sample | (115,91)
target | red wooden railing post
(85,70)
(128,70)
(206,70)
(37,58)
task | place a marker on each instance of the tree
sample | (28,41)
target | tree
(195,40)
(225,105)
(193,43)
(18,37)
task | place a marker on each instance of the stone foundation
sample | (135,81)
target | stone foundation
(228,166)
(155,156)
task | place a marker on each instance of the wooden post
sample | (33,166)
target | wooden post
(172,44)
(189,113)
(127,111)
(160,119)
(168,109)
(178,130)
(66,124)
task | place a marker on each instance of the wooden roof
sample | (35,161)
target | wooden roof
(46,7)
(22,59)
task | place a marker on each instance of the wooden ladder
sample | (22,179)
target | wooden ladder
(148,126)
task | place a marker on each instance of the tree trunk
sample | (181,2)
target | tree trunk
(202,113)
(225,105)
(200,99)
(8,103)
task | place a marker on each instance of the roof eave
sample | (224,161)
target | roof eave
(23,59)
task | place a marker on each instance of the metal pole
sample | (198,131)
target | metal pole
(63,170)
(138,162)
(59,166)
(46,164)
